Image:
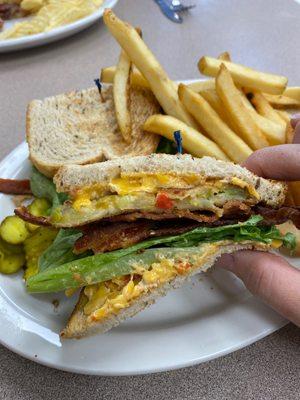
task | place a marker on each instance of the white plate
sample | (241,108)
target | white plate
(212,316)
(26,42)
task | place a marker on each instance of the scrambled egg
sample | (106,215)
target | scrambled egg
(108,298)
(121,193)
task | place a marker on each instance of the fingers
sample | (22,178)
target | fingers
(276,162)
(268,276)
(295,119)
(296,139)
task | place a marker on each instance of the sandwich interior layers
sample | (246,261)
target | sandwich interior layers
(156,193)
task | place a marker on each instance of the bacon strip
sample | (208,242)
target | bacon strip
(279,216)
(14,186)
(23,213)
(9,11)
(107,237)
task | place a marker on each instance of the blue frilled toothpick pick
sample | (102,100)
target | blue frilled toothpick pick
(99,86)
(178,140)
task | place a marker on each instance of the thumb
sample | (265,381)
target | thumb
(268,276)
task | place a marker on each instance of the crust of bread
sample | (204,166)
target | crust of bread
(73,177)
(79,326)
(79,128)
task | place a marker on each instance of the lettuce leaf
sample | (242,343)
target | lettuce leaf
(61,250)
(166,146)
(100,267)
(41,186)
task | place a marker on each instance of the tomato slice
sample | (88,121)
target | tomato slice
(163,201)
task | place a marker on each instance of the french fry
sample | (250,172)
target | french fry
(121,96)
(164,89)
(136,78)
(274,132)
(214,101)
(224,56)
(192,141)
(232,145)
(289,199)
(244,76)
(293,92)
(295,189)
(231,98)
(289,133)
(281,101)
(202,85)
(107,74)
(264,108)
(284,116)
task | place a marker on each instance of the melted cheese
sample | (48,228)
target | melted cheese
(244,185)
(108,298)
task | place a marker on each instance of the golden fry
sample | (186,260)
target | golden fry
(235,148)
(231,98)
(274,132)
(284,116)
(121,96)
(244,76)
(192,141)
(136,78)
(289,133)
(164,89)
(293,92)
(295,188)
(264,108)
(202,85)
(281,101)
(214,101)
(225,56)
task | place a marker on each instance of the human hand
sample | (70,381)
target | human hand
(266,275)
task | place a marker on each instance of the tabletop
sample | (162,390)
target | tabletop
(261,34)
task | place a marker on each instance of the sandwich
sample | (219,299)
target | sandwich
(81,127)
(141,226)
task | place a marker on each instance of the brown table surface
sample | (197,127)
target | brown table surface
(262,34)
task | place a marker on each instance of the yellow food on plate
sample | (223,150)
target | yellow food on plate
(50,14)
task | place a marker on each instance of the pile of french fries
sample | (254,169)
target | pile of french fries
(237,111)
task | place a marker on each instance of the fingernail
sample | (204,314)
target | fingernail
(295,119)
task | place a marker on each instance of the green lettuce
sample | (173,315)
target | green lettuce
(101,267)
(166,146)
(61,250)
(43,187)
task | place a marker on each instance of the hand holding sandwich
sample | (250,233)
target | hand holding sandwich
(267,275)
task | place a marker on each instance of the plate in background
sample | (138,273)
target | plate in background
(61,32)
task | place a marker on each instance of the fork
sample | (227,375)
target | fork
(172,8)
(177,6)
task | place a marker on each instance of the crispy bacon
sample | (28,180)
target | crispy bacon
(107,237)
(23,213)
(279,216)
(15,186)
(9,11)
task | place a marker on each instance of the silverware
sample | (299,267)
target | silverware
(172,8)
(176,5)
(168,12)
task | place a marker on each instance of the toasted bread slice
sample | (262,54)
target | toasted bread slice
(80,324)
(73,177)
(80,128)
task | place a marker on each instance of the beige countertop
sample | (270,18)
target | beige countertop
(262,34)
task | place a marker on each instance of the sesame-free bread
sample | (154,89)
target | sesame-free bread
(79,325)
(72,177)
(79,128)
